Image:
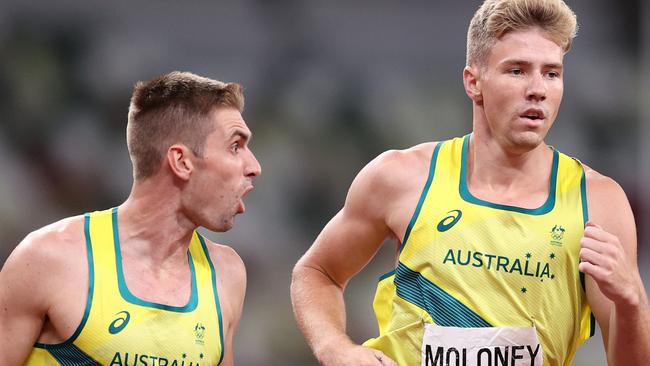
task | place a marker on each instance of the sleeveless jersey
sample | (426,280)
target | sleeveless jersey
(466,262)
(118,328)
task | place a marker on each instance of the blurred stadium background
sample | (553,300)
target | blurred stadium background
(329,85)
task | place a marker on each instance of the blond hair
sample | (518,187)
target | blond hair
(173,108)
(495,18)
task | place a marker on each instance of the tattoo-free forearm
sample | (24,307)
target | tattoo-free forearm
(319,309)
(629,333)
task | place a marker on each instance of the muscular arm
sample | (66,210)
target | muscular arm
(319,280)
(614,287)
(343,248)
(41,285)
(22,304)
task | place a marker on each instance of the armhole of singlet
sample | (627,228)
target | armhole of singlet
(423,196)
(583,196)
(386,275)
(216,294)
(585,218)
(89,298)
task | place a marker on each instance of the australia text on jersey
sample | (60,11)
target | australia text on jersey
(525,266)
(135,359)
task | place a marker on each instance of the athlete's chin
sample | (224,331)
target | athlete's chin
(222,225)
(527,141)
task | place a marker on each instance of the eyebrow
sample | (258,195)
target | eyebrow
(528,63)
(245,135)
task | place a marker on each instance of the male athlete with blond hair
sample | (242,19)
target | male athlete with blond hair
(137,284)
(507,246)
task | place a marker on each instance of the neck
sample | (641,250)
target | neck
(152,224)
(498,168)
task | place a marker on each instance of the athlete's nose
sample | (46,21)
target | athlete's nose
(536,88)
(253,167)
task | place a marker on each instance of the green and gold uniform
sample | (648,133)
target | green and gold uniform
(120,329)
(469,263)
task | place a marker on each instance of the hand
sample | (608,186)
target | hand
(354,354)
(603,258)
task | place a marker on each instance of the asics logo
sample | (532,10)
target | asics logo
(120,323)
(449,221)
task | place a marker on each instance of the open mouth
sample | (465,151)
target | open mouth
(247,190)
(533,114)
(242,207)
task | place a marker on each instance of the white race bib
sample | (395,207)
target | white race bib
(496,346)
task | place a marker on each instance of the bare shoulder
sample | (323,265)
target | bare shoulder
(600,182)
(603,192)
(417,154)
(393,171)
(392,166)
(609,207)
(227,263)
(231,280)
(54,257)
(51,245)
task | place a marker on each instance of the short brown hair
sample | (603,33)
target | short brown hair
(495,18)
(170,109)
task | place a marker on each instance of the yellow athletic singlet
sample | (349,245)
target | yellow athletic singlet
(469,263)
(120,329)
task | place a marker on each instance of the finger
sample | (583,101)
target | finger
(605,261)
(612,251)
(596,232)
(593,257)
(379,356)
(389,362)
(595,245)
(384,360)
(596,272)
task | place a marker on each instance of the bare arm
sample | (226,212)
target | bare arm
(343,248)
(22,303)
(614,287)
(317,290)
(231,280)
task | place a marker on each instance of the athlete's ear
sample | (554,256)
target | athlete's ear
(472,83)
(179,161)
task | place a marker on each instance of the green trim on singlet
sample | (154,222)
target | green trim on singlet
(386,275)
(585,218)
(126,293)
(466,195)
(71,355)
(89,298)
(423,196)
(216,294)
(592,318)
(585,215)
(444,309)
(583,196)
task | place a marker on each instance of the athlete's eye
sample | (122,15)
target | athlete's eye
(553,74)
(516,71)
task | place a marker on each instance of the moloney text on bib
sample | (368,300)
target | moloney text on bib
(494,346)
